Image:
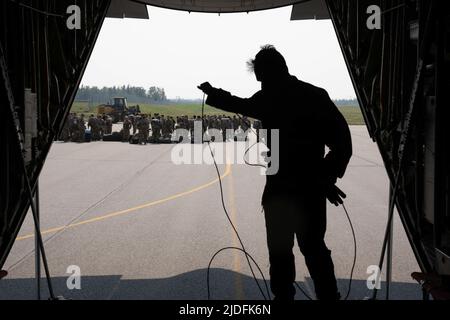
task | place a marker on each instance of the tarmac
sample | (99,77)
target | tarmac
(137,226)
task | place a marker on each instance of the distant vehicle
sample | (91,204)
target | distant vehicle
(118,109)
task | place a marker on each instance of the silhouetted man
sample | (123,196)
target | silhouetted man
(294,199)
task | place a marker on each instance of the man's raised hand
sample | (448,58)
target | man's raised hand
(206,87)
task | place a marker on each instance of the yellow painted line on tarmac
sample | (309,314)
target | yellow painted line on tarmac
(236,256)
(126,211)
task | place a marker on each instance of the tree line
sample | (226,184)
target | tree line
(153,95)
(346,102)
(133,94)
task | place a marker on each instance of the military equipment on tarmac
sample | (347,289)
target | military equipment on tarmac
(134,139)
(87,135)
(117,109)
(115,136)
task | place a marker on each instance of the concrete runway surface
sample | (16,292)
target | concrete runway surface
(139,227)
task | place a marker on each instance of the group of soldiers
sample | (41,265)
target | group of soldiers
(162,127)
(229,125)
(99,126)
(139,126)
(75,127)
(165,126)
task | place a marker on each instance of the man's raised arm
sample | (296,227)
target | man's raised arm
(224,100)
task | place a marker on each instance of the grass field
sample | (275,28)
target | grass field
(352,114)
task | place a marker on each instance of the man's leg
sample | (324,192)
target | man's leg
(280,241)
(311,228)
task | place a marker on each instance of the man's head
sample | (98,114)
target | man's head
(269,65)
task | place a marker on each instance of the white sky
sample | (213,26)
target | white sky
(177,51)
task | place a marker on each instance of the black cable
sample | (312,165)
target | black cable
(249,163)
(353,264)
(247,255)
(248,149)
(346,213)
(263,166)
(303,291)
(355,247)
